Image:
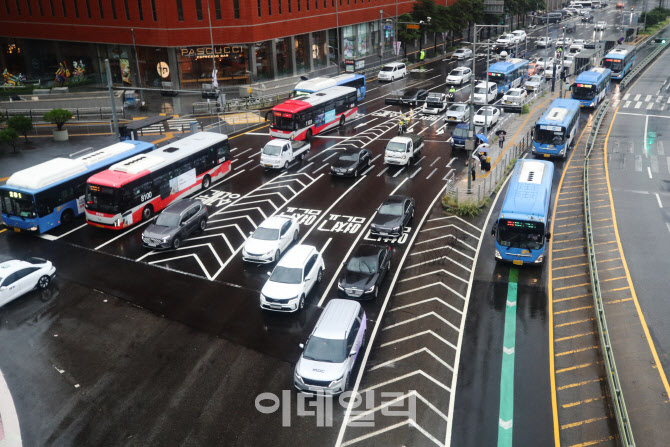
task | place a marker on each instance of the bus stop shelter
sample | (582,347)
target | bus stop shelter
(130,130)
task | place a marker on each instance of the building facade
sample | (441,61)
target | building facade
(183,41)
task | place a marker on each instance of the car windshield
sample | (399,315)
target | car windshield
(459,52)
(456,72)
(283,121)
(18,204)
(271,149)
(286,275)
(410,94)
(513,93)
(487,112)
(460,132)
(363,264)
(395,146)
(613,64)
(544,136)
(387,68)
(348,157)
(457,108)
(480,90)
(325,350)
(103,199)
(167,219)
(535,79)
(520,234)
(266,234)
(391,209)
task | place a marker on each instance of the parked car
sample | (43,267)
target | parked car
(270,239)
(535,82)
(515,97)
(295,275)
(485,94)
(587,19)
(458,112)
(459,76)
(351,162)
(486,116)
(520,35)
(462,54)
(601,26)
(392,71)
(330,352)
(435,103)
(414,96)
(393,215)
(177,222)
(365,271)
(20,277)
(544,42)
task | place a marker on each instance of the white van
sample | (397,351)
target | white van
(331,349)
(392,71)
(484,94)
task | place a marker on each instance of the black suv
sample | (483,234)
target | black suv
(587,19)
(175,224)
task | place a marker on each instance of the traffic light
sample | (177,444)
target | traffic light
(660,40)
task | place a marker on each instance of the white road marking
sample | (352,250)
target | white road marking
(418,351)
(637,97)
(65,234)
(650,105)
(649,171)
(383,171)
(434,161)
(243,164)
(306,166)
(450,162)
(326,245)
(376,157)
(667,225)
(318,169)
(244,152)
(368,169)
(431,174)
(637,106)
(626,104)
(330,156)
(658,198)
(626,96)
(415,172)
(135,227)
(642,114)
(399,171)
(648,98)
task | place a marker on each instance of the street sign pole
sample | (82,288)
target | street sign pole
(111,98)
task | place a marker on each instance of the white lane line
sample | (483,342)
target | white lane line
(365,123)
(306,166)
(383,171)
(351,248)
(642,114)
(434,161)
(658,198)
(243,164)
(431,174)
(233,149)
(368,169)
(626,97)
(330,156)
(326,245)
(649,171)
(318,169)
(637,106)
(450,162)
(415,172)
(648,98)
(325,213)
(244,152)
(448,173)
(71,231)
(398,173)
(135,227)
(376,157)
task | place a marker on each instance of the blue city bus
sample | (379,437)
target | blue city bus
(591,86)
(508,74)
(556,130)
(522,229)
(43,196)
(620,60)
(309,86)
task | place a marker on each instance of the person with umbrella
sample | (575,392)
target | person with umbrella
(482,152)
(501,137)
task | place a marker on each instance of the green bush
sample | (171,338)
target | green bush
(58,117)
(525,109)
(468,208)
(9,136)
(654,16)
(21,124)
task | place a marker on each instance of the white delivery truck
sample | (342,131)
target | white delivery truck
(402,150)
(278,154)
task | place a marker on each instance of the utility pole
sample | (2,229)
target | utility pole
(562,68)
(471,136)
(211,41)
(115,120)
(137,62)
(337,32)
(381,33)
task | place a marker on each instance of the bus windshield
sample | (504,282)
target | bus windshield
(583,91)
(613,64)
(18,204)
(496,77)
(283,121)
(520,234)
(103,199)
(544,136)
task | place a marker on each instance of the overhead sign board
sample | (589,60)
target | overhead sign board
(410,26)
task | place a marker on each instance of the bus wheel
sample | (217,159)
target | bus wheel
(147,212)
(308,135)
(342,121)
(67,217)
(206,181)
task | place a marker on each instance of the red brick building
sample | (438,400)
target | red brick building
(251,39)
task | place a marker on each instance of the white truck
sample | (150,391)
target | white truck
(402,150)
(278,153)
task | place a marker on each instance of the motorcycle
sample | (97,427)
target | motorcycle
(451,97)
(402,127)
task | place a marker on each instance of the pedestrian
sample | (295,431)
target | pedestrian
(422,55)
(473,167)
(501,140)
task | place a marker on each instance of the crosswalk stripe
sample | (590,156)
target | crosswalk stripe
(651,104)
(648,98)
(626,104)
(639,103)
(668,160)
(626,97)
(637,97)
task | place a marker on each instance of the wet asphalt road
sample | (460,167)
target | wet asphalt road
(172,358)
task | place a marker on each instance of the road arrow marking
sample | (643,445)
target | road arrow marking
(508,351)
(511,303)
(505,425)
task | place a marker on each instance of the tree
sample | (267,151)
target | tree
(21,124)
(421,11)
(58,117)
(405,34)
(10,137)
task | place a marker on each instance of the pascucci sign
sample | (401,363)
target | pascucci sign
(207,51)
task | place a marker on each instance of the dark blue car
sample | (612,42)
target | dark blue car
(459,135)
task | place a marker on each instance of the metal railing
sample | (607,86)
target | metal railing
(239,104)
(80,114)
(231,123)
(641,66)
(621,413)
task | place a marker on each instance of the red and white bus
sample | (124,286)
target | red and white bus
(313,114)
(134,189)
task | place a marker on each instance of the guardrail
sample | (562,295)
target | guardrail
(641,66)
(213,107)
(621,413)
(78,113)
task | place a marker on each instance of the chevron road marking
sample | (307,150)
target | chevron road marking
(427,300)
(447,226)
(438,259)
(409,337)
(418,351)
(432,273)
(446,236)
(395,401)
(439,317)
(410,422)
(191,255)
(418,372)
(455,217)
(442,248)
(245,216)
(437,283)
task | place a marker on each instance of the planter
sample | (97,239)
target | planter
(61,135)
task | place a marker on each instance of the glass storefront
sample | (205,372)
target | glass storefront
(284,59)
(348,41)
(195,65)
(154,66)
(333,46)
(302,53)
(319,49)
(264,70)
(362,40)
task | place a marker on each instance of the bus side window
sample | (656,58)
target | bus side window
(339,106)
(200,164)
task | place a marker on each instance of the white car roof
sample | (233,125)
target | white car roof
(275,222)
(461,50)
(394,64)
(519,31)
(297,256)
(515,90)
(483,84)
(459,69)
(9,267)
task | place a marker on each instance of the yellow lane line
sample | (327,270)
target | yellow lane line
(619,301)
(582,204)
(574,351)
(640,315)
(571,276)
(574,385)
(552,367)
(572,297)
(168,135)
(587,421)
(572,368)
(615,290)
(4,179)
(570,240)
(3,230)
(568,232)
(573,310)
(572,217)
(583,255)
(570,248)
(570,266)
(571,337)
(585,401)
(252,130)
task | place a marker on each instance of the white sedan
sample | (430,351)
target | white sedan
(272,238)
(20,277)
(514,97)
(601,26)
(543,42)
(564,42)
(462,54)
(535,82)
(486,116)
(459,75)
(520,35)
(458,113)
(545,63)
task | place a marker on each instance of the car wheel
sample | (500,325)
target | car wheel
(176,243)
(147,212)
(203,224)
(67,217)
(206,182)
(43,282)
(286,165)
(319,276)
(277,255)
(301,305)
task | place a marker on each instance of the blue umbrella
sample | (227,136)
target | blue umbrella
(482,137)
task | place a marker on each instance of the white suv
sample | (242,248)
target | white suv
(271,239)
(294,276)
(520,35)
(20,277)
(392,71)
